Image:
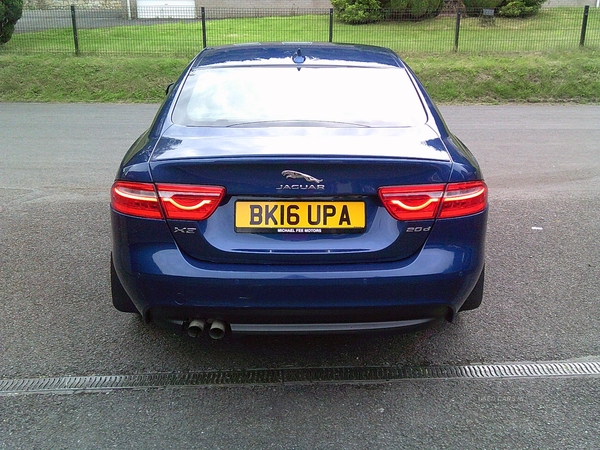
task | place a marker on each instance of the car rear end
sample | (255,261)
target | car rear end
(270,196)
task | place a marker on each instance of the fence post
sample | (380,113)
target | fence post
(457,30)
(586,11)
(75,37)
(330,24)
(203,15)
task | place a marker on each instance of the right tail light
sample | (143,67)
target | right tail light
(431,201)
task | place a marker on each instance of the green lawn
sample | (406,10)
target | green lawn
(551,29)
(513,60)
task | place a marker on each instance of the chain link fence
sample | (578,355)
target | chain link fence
(183,31)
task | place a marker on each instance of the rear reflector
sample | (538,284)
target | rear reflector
(178,202)
(425,202)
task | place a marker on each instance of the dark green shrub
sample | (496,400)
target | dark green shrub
(357,11)
(520,8)
(475,8)
(413,9)
(365,11)
(10,12)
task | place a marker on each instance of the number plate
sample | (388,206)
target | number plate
(299,217)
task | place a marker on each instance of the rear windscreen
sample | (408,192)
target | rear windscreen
(293,96)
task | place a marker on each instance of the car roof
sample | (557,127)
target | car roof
(297,53)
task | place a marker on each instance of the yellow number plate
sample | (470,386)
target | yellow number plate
(299,217)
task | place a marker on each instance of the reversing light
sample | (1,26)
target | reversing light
(424,202)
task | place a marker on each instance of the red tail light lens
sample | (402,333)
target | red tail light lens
(135,199)
(188,202)
(412,202)
(178,202)
(463,199)
(425,202)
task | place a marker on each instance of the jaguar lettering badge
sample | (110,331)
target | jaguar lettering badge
(313,183)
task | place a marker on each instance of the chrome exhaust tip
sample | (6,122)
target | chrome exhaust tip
(217,330)
(196,328)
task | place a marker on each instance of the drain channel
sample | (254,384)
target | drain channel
(295,376)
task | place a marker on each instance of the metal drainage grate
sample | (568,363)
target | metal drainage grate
(295,376)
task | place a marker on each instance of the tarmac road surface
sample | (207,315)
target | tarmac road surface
(542,164)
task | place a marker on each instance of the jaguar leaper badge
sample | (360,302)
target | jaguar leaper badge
(312,182)
(295,174)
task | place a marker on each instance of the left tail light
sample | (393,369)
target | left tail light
(135,199)
(171,201)
(188,202)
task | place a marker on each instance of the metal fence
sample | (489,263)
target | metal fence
(183,31)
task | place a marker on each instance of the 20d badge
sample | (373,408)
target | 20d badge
(299,217)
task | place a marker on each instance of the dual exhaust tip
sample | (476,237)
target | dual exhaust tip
(217,329)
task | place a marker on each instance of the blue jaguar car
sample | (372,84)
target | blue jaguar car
(297,188)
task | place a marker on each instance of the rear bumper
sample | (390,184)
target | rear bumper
(171,289)
(173,320)
(305,321)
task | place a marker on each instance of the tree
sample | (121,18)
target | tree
(10,13)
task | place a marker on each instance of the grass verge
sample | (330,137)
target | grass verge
(572,76)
